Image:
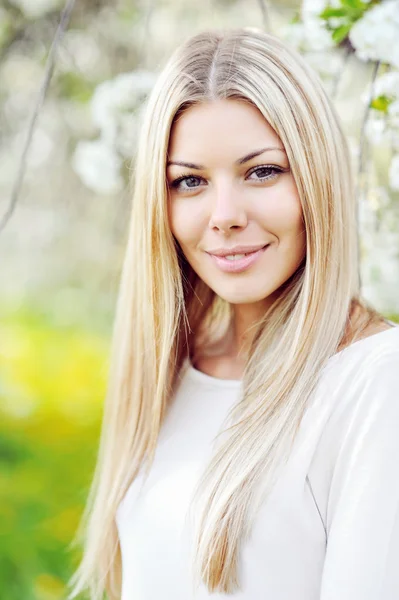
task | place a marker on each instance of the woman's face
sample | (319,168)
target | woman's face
(231,192)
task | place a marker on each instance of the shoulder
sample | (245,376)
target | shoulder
(360,381)
(362,386)
(368,358)
(358,406)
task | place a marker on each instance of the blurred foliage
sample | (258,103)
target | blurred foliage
(341,18)
(75,87)
(381,103)
(52,384)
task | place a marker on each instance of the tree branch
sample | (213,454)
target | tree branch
(144,47)
(362,140)
(49,69)
(339,74)
(263,5)
(362,154)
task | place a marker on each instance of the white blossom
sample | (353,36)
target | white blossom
(393,114)
(36,8)
(379,245)
(313,8)
(326,63)
(376,129)
(384,127)
(387,85)
(310,35)
(376,35)
(98,166)
(115,109)
(115,101)
(394,173)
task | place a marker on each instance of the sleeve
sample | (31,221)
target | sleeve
(362,554)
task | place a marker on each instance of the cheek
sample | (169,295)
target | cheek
(293,234)
(186,225)
(283,212)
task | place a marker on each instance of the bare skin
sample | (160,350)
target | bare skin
(227,365)
(240,192)
(236,188)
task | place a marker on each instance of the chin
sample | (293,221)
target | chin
(243,296)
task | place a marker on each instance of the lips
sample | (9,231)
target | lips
(236,250)
(238,265)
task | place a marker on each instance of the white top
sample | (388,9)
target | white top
(330,528)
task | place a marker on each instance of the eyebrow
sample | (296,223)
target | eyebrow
(240,161)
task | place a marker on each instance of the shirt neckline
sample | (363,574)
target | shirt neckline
(202,377)
(237,383)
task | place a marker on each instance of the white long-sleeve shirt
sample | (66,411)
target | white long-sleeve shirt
(330,528)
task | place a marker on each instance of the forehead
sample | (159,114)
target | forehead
(226,126)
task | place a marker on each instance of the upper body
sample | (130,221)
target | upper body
(330,528)
(242,254)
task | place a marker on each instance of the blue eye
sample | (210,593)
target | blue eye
(265,173)
(189,180)
(187,183)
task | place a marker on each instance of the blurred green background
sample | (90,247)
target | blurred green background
(52,384)
(62,249)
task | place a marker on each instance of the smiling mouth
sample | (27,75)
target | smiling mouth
(241,254)
(236,250)
(236,263)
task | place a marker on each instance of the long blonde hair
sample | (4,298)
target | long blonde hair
(164,309)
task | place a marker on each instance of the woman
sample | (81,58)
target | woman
(249,444)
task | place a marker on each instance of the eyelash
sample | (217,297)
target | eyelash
(274,168)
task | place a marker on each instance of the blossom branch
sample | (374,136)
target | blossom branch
(265,14)
(150,8)
(339,74)
(49,69)
(362,140)
(362,153)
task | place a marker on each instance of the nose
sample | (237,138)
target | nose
(227,209)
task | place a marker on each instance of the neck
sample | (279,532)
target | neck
(245,319)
